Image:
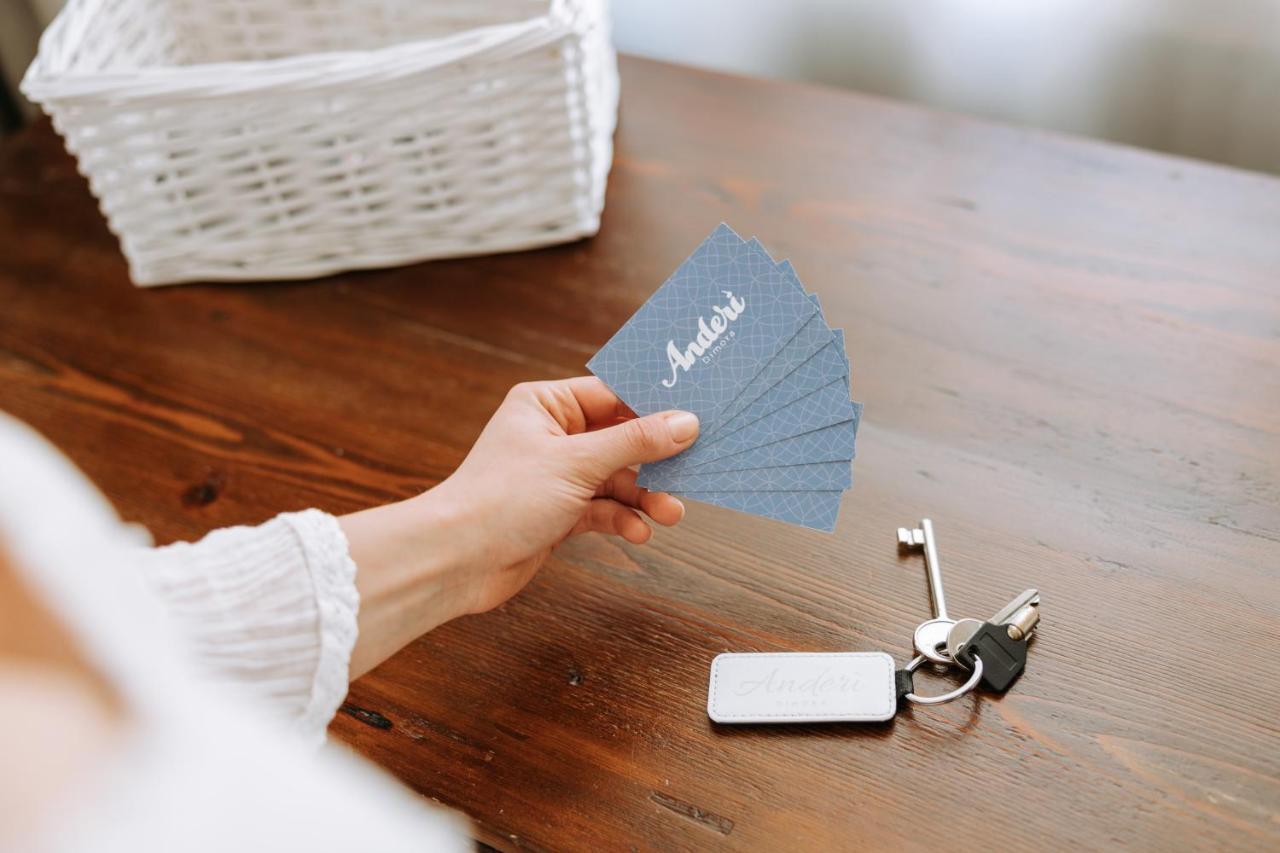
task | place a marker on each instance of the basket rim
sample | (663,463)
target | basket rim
(44,82)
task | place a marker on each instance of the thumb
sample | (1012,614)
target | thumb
(632,442)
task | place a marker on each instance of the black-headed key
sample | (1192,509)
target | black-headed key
(1003,658)
(1002,645)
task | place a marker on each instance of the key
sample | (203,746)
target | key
(966,628)
(1002,647)
(1003,658)
(931,635)
(1024,606)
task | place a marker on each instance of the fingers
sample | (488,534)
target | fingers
(605,515)
(598,403)
(580,404)
(660,506)
(663,508)
(633,442)
(599,406)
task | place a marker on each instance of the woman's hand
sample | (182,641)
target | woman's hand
(552,462)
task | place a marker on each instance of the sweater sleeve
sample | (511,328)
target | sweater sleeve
(269,611)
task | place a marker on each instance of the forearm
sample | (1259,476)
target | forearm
(414,571)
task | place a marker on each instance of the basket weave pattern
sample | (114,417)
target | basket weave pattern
(251,139)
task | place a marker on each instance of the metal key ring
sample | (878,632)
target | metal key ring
(945,697)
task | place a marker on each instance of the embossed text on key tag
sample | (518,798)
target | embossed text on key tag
(799,687)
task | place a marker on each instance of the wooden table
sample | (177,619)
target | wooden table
(1070,358)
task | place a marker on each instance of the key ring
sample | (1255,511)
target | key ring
(945,697)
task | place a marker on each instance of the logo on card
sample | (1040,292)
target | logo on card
(825,683)
(712,337)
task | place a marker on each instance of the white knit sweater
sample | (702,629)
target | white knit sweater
(211,646)
(267,611)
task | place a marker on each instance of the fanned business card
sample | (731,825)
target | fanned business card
(706,333)
(734,337)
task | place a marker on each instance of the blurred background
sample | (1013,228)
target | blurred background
(1199,78)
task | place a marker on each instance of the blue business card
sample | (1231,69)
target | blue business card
(734,337)
(822,408)
(808,509)
(813,477)
(820,370)
(706,333)
(811,338)
(829,444)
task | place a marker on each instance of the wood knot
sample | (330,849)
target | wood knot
(369,718)
(206,491)
(710,820)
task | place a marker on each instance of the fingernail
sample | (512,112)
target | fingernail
(682,426)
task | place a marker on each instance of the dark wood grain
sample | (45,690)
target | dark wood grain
(1070,358)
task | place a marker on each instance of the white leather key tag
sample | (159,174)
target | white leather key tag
(797,687)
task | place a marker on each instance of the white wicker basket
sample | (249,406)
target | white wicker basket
(250,139)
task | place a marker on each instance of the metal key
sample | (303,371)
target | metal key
(931,635)
(996,657)
(964,629)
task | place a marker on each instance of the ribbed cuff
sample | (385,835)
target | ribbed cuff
(333,576)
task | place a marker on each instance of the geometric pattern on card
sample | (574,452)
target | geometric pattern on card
(822,408)
(817,510)
(811,337)
(825,366)
(815,477)
(735,338)
(706,333)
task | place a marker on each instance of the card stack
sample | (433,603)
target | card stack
(733,337)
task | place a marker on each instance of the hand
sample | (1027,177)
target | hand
(552,462)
